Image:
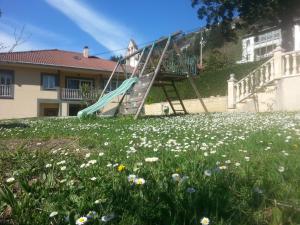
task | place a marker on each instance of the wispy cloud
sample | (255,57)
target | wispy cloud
(107,32)
(33,37)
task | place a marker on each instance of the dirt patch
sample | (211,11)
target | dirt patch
(37,144)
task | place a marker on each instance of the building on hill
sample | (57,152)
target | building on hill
(50,82)
(132,48)
(261,45)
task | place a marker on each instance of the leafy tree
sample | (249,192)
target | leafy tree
(253,14)
(116,58)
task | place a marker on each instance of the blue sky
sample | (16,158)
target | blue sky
(103,25)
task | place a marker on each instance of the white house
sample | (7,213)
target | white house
(132,47)
(261,45)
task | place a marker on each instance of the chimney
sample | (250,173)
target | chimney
(85,52)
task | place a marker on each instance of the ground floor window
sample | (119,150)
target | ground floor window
(75,108)
(49,109)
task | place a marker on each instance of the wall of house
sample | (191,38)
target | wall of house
(28,93)
(297,37)
(27,90)
(248,50)
(193,106)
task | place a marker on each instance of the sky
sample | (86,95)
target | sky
(103,25)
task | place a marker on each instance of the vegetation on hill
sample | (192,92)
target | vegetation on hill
(151,171)
(209,83)
(252,15)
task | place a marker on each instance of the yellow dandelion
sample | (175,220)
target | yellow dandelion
(121,168)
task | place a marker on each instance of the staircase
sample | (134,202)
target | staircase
(264,84)
(173,97)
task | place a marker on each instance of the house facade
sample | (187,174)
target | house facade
(262,45)
(50,82)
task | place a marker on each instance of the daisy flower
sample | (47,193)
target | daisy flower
(82,220)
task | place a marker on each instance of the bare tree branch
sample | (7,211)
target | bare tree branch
(19,37)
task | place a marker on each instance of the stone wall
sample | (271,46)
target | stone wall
(213,104)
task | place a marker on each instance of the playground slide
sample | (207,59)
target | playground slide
(126,85)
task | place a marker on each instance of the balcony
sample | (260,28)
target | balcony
(78,94)
(6,91)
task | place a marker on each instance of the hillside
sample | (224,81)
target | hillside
(209,83)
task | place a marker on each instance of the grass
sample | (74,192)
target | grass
(239,169)
(209,83)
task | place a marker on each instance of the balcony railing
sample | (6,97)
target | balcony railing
(6,91)
(78,94)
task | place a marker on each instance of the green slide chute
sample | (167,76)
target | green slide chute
(102,102)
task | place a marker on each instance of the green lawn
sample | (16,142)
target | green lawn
(237,169)
(209,83)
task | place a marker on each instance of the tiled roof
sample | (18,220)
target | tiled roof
(59,58)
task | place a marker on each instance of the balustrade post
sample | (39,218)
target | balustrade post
(267,74)
(278,64)
(261,77)
(231,101)
(287,65)
(294,64)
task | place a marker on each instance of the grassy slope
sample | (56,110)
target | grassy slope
(209,83)
(236,195)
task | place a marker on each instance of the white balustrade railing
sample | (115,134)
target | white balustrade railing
(256,79)
(6,91)
(280,66)
(78,94)
(291,63)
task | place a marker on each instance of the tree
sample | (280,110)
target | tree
(116,58)
(253,14)
(19,38)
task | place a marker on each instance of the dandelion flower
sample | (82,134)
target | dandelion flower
(82,220)
(121,168)
(10,180)
(53,214)
(204,221)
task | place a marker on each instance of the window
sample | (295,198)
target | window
(113,85)
(6,77)
(73,83)
(50,81)
(6,84)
